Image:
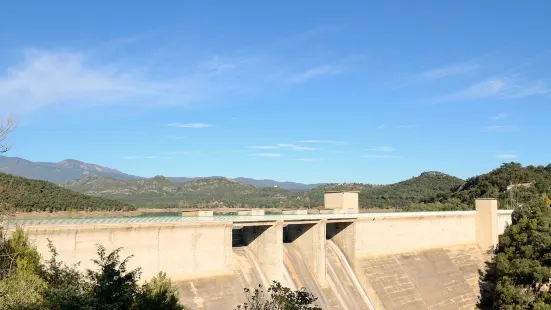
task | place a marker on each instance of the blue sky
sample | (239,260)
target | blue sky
(307,91)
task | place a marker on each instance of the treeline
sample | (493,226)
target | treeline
(26,195)
(408,194)
(512,184)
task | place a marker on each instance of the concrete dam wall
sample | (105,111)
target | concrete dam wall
(418,260)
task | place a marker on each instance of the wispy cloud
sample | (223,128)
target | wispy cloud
(499,128)
(190,125)
(321,141)
(381,126)
(263,147)
(315,72)
(382,149)
(307,159)
(266,154)
(295,147)
(450,70)
(381,156)
(139,157)
(45,78)
(497,88)
(498,116)
(507,156)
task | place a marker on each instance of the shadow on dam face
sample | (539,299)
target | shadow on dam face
(333,230)
(292,232)
(246,235)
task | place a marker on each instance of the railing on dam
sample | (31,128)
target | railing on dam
(227,218)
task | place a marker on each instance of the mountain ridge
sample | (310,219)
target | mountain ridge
(72,169)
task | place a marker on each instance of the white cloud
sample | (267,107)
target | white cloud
(267,154)
(191,125)
(499,128)
(45,78)
(314,73)
(382,149)
(296,147)
(450,70)
(307,159)
(263,147)
(381,156)
(498,116)
(498,88)
(321,141)
(507,156)
(139,157)
(381,126)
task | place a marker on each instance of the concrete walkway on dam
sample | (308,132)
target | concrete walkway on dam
(418,260)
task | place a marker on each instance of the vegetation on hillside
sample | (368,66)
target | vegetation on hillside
(511,184)
(215,192)
(25,195)
(430,191)
(519,276)
(401,195)
(26,283)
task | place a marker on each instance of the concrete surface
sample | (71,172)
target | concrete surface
(224,292)
(343,282)
(431,279)
(310,240)
(183,251)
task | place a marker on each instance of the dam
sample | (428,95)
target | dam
(349,260)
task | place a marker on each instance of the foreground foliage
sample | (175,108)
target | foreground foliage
(278,297)
(519,275)
(25,283)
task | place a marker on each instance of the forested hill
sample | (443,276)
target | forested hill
(511,183)
(25,195)
(397,195)
(212,192)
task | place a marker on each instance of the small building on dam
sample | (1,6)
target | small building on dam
(349,260)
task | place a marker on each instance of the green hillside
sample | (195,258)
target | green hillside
(511,183)
(398,195)
(161,192)
(25,195)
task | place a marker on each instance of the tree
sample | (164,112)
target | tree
(157,294)
(519,275)
(113,285)
(5,128)
(20,284)
(280,298)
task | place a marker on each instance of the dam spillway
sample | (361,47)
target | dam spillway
(201,257)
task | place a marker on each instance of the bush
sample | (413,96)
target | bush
(280,298)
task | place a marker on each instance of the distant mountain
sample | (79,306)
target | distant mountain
(292,186)
(60,172)
(161,191)
(70,169)
(25,195)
